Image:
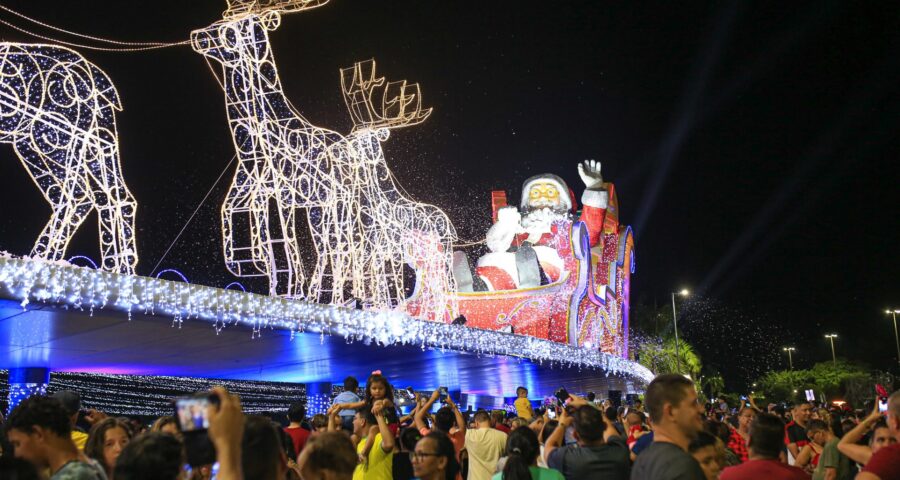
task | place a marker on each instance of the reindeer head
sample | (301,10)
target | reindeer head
(244,26)
(400,104)
(228,40)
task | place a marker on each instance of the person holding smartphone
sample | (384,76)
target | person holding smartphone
(445,419)
(880,437)
(885,464)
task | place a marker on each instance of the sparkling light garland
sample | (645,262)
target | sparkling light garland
(58,110)
(59,283)
(364,231)
(152,395)
(21,391)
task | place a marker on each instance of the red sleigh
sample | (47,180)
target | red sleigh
(586,304)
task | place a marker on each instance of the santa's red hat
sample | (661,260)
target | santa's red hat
(559,183)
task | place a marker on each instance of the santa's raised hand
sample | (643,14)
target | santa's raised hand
(589,171)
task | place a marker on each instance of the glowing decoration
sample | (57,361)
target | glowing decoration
(363,230)
(239,8)
(25,382)
(58,111)
(58,283)
(152,395)
(578,289)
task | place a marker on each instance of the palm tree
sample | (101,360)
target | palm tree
(660,357)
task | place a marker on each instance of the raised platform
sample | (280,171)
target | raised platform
(72,318)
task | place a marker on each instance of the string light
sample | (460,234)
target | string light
(59,112)
(364,230)
(153,395)
(59,283)
(89,37)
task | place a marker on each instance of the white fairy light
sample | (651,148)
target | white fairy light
(61,284)
(58,110)
(364,230)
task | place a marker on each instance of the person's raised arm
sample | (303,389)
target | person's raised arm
(387,438)
(226,430)
(556,438)
(352,405)
(848,445)
(753,403)
(420,415)
(460,421)
(332,415)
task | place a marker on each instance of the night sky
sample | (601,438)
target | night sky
(754,145)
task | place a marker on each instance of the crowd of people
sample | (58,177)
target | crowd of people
(671,435)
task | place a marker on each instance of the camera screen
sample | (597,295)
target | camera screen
(193,413)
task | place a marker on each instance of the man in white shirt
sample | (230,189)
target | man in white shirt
(485,446)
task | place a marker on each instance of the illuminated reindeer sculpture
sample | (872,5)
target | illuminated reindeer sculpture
(58,111)
(363,230)
(394,229)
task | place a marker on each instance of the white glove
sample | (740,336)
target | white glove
(500,236)
(589,171)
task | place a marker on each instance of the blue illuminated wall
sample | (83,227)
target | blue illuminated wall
(25,382)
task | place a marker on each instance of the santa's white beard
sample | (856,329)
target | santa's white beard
(538,220)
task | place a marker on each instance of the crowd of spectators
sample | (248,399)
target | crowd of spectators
(671,435)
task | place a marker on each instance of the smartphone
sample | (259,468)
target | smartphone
(192,418)
(551,414)
(882,405)
(744,398)
(193,412)
(562,395)
(443,395)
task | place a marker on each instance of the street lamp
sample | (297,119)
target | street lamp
(832,336)
(894,313)
(684,292)
(790,358)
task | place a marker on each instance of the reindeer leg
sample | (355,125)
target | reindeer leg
(240,227)
(66,191)
(293,272)
(264,249)
(114,202)
(317,220)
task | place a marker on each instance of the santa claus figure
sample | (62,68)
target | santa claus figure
(522,253)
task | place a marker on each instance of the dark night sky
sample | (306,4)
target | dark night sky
(753,146)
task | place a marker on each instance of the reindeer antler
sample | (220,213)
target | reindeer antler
(401,102)
(238,8)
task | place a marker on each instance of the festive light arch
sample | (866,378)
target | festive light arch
(58,111)
(363,229)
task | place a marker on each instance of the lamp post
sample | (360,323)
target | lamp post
(790,358)
(683,293)
(832,336)
(894,313)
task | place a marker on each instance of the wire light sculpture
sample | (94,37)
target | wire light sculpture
(362,228)
(58,111)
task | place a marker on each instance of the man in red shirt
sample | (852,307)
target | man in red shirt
(885,463)
(296,414)
(766,448)
(795,437)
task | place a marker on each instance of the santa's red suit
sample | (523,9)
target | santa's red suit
(498,268)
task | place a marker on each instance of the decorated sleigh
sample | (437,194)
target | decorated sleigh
(585,304)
